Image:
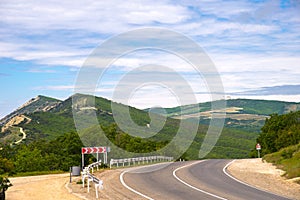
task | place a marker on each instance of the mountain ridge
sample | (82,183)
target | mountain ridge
(48,124)
(246,114)
(237,110)
(39,103)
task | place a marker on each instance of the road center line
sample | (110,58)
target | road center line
(193,187)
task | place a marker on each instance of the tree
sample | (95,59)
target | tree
(6,166)
(28,160)
(280,131)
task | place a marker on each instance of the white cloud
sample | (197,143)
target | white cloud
(56,87)
(253,71)
(54,32)
(253,45)
(99,16)
(255,62)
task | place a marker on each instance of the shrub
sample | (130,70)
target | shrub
(4,183)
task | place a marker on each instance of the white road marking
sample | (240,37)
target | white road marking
(136,168)
(225,172)
(193,187)
(131,189)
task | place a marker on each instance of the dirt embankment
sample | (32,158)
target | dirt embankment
(40,187)
(264,176)
(15,121)
(57,187)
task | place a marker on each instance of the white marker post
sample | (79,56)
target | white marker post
(258,148)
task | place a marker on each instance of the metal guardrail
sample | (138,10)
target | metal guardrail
(86,174)
(138,160)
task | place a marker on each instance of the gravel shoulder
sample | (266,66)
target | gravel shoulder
(113,189)
(264,176)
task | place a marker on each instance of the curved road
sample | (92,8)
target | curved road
(191,180)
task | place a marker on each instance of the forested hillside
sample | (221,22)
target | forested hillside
(249,106)
(280,142)
(53,143)
(245,114)
(41,155)
(280,131)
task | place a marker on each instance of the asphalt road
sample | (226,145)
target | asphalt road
(191,180)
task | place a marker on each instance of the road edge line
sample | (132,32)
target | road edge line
(131,189)
(193,187)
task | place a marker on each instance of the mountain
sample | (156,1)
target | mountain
(37,104)
(48,119)
(245,114)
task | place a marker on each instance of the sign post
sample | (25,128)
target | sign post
(258,148)
(82,159)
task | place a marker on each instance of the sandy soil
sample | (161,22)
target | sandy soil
(265,176)
(252,171)
(40,187)
(15,121)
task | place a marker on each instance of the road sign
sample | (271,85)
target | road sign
(258,147)
(96,150)
(89,150)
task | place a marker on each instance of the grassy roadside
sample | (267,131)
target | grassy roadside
(287,159)
(21,174)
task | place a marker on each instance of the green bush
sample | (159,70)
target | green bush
(287,159)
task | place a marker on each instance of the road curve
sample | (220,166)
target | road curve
(192,180)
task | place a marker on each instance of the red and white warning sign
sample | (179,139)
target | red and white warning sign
(258,147)
(89,150)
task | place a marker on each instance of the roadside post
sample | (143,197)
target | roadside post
(70,174)
(258,148)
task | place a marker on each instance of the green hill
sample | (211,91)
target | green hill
(244,119)
(94,119)
(280,131)
(38,104)
(59,120)
(280,142)
(248,106)
(245,114)
(287,159)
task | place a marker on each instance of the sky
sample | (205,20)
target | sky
(254,46)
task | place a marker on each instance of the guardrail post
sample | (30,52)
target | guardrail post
(98,186)
(90,179)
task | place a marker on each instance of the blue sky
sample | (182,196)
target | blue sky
(255,46)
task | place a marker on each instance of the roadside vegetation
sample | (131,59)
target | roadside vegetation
(280,142)
(280,131)
(287,159)
(41,157)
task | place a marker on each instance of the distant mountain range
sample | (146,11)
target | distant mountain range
(48,118)
(246,114)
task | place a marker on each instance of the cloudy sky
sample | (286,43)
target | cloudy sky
(254,45)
